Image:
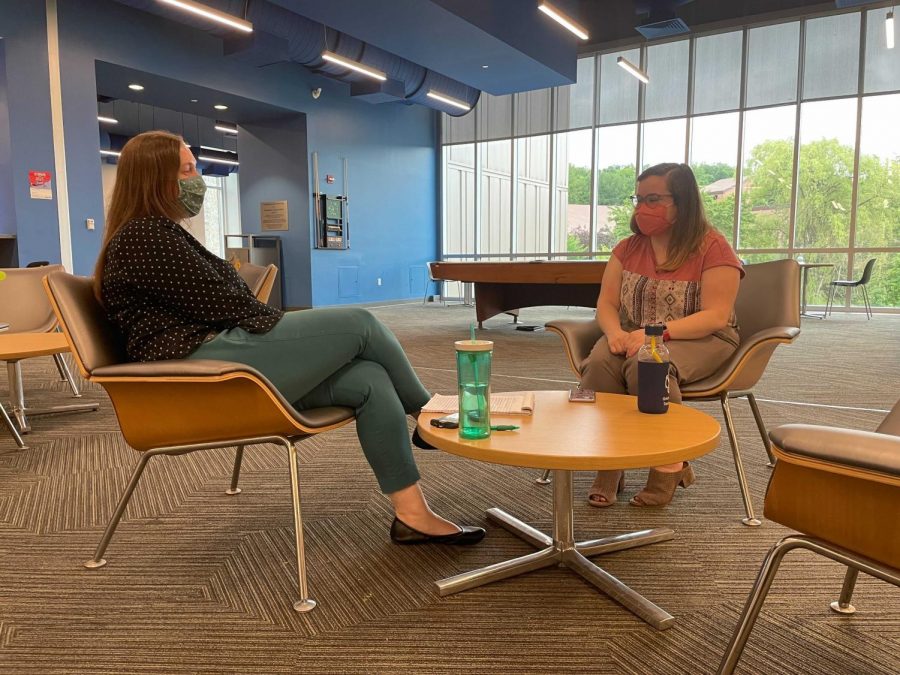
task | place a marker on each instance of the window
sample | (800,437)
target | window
(572,205)
(618,100)
(714,147)
(717,69)
(459,199)
(766,186)
(878,198)
(575,103)
(616,175)
(769,120)
(533,194)
(882,64)
(663,142)
(831,57)
(825,181)
(495,164)
(773,54)
(667,68)
(221,211)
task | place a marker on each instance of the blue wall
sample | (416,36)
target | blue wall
(270,172)
(7,208)
(391,148)
(35,221)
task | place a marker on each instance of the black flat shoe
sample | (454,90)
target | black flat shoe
(401,533)
(420,442)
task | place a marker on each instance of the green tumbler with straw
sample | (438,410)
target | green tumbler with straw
(473,370)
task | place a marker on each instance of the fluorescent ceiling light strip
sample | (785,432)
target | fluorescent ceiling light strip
(633,69)
(216,160)
(214,149)
(107,120)
(563,20)
(449,101)
(353,65)
(227,130)
(110,153)
(211,14)
(889,29)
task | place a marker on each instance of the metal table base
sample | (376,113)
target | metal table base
(20,411)
(561,549)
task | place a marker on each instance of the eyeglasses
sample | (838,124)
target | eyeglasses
(651,199)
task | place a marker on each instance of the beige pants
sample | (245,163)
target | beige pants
(691,360)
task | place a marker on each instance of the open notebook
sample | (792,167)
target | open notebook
(501,404)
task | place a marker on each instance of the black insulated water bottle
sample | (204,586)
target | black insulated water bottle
(653,372)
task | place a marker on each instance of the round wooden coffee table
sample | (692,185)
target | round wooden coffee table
(565,437)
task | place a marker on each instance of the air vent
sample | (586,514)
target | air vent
(661,29)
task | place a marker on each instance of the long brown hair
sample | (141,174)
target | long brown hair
(147,170)
(691,226)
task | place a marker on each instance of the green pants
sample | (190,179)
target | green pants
(343,357)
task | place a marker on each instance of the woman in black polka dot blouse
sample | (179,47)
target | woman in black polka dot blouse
(173,299)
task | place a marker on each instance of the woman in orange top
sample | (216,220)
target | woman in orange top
(677,270)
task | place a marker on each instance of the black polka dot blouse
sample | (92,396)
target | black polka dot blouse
(168,294)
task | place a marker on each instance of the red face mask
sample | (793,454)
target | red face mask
(651,220)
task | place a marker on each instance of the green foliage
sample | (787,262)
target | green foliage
(710,173)
(579,185)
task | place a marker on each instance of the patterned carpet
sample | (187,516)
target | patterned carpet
(199,582)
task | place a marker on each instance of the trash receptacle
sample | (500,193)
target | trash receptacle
(259,249)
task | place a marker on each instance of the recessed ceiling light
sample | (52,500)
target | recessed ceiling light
(136,87)
(193,100)
(225,127)
(110,153)
(219,106)
(485,66)
(107,120)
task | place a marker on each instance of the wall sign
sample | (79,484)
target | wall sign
(40,184)
(273,215)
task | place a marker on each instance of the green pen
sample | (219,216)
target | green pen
(504,427)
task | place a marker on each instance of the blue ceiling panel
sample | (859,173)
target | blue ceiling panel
(522,47)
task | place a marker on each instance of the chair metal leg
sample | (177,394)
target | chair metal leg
(751,399)
(750,520)
(238,456)
(544,479)
(62,375)
(305,603)
(853,561)
(63,369)
(869,313)
(754,604)
(12,428)
(842,605)
(97,560)
(17,395)
(829,304)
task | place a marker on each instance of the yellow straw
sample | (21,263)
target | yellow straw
(653,352)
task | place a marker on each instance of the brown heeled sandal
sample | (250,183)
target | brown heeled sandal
(606,486)
(661,486)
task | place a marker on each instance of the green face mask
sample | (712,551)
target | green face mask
(190,194)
